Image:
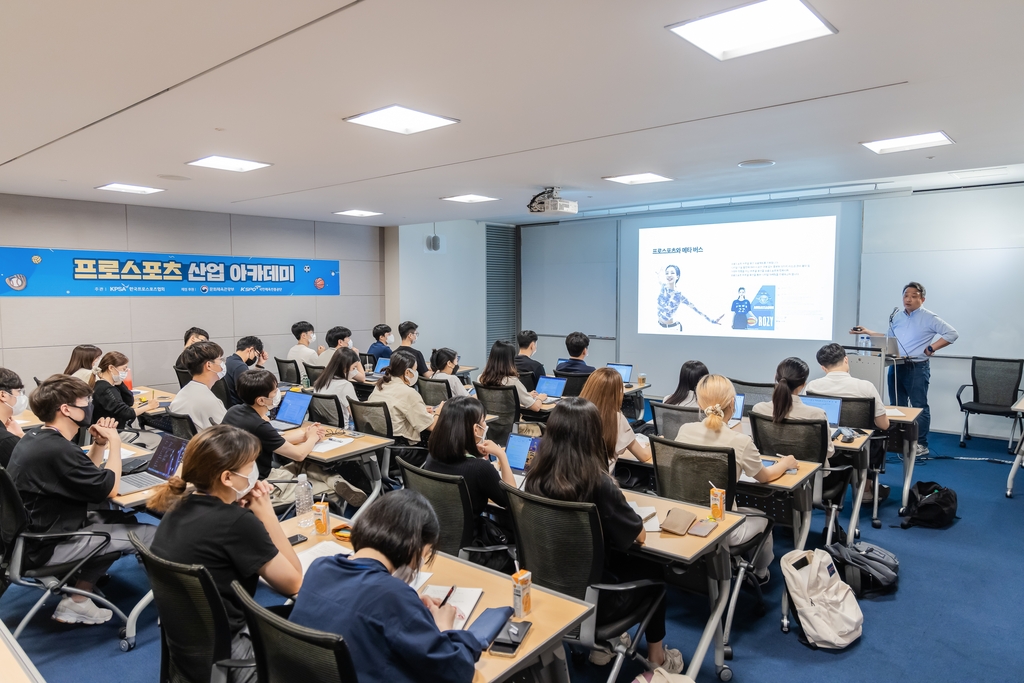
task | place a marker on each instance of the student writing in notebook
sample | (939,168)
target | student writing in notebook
(393,634)
(604,389)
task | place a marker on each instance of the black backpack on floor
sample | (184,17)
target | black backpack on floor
(868,569)
(930,505)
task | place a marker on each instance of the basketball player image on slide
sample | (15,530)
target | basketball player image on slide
(670,298)
(740,310)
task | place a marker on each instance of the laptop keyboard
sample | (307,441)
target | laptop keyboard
(282,426)
(136,482)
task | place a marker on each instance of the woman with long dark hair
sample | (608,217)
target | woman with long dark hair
(790,380)
(110,396)
(445,364)
(83,362)
(500,371)
(685,394)
(572,465)
(335,378)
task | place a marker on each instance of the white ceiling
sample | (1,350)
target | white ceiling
(548,93)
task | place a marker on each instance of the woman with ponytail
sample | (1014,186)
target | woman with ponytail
(110,396)
(790,380)
(228,525)
(410,416)
(716,396)
(83,363)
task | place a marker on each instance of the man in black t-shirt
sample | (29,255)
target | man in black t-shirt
(58,482)
(524,361)
(248,353)
(13,400)
(409,332)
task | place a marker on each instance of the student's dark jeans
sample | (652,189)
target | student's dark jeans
(909,382)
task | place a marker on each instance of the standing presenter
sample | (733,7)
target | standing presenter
(919,333)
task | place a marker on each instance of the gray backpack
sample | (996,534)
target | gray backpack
(870,570)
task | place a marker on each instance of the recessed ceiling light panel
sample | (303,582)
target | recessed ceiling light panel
(398,119)
(638,179)
(756,163)
(131,189)
(228,164)
(909,142)
(470,198)
(755,27)
(357,213)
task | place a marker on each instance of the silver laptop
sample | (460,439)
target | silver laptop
(889,345)
(162,466)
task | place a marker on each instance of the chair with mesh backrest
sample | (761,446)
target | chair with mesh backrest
(286,652)
(313,372)
(326,409)
(529,380)
(574,382)
(434,391)
(182,426)
(753,392)
(183,375)
(995,383)
(375,418)
(668,418)
(503,402)
(288,371)
(562,545)
(195,634)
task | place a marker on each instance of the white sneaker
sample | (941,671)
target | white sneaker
(673,663)
(602,658)
(922,450)
(85,612)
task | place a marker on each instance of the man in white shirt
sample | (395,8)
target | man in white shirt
(303,351)
(205,360)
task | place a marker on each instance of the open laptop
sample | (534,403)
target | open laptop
(737,414)
(831,406)
(378,369)
(552,386)
(625,370)
(292,411)
(164,463)
(889,345)
(520,451)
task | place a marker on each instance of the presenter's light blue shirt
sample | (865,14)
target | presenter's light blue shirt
(915,331)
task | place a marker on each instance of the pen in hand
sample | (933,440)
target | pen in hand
(445,601)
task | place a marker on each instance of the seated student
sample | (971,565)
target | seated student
(527,347)
(500,371)
(303,351)
(335,380)
(572,465)
(110,397)
(13,401)
(604,389)
(228,526)
(716,396)
(443,362)
(393,634)
(341,338)
(205,361)
(410,416)
(685,394)
(577,344)
(381,338)
(409,331)
(192,335)
(248,353)
(59,482)
(790,380)
(84,360)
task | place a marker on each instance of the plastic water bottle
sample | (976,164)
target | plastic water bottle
(304,502)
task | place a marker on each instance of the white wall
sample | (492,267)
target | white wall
(38,334)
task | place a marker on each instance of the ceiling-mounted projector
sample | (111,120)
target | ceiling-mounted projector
(549,202)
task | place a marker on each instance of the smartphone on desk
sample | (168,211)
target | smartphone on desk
(297,539)
(769,463)
(510,638)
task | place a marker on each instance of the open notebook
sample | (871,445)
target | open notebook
(463,600)
(652,524)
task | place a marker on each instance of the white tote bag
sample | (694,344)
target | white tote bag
(826,606)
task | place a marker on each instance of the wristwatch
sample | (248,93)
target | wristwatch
(930,350)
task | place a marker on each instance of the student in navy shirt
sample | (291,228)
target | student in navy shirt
(577,345)
(382,337)
(393,634)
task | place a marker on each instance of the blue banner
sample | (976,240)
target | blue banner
(66,272)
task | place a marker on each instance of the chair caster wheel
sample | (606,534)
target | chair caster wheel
(876,523)
(902,511)
(728,652)
(725,674)
(127,644)
(785,624)
(963,445)
(122,632)
(1009,494)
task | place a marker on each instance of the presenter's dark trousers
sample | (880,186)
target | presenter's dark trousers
(909,384)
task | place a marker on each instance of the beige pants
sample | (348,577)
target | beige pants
(321,480)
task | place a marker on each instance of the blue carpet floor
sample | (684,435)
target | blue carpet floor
(958,614)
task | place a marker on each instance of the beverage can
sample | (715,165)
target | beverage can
(322,518)
(718,504)
(522,580)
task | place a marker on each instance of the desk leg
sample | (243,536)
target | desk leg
(370,460)
(713,629)
(909,458)
(858,498)
(802,506)
(551,667)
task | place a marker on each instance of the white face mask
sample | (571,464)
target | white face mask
(483,436)
(277,400)
(312,337)
(252,478)
(415,377)
(391,339)
(353,371)
(20,404)
(123,375)
(223,371)
(406,574)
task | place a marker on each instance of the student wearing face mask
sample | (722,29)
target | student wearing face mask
(59,483)
(381,338)
(84,361)
(110,397)
(410,417)
(192,335)
(337,379)
(304,351)
(13,400)
(341,338)
(205,362)
(240,540)
(248,353)
(393,634)
(445,363)
(410,332)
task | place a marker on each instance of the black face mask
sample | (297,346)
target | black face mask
(87,419)
(455,370)
(251,361)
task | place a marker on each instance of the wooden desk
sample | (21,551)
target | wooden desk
(636,388)
(27,420)
(15,665)
(553,615)
(909,417)
(155,397)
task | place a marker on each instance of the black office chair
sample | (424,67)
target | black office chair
(182,426)
(183,375)
(195,636)
(37,381)
(313,372)
(669,418)
(365,358)
(562,545)
(286,652)
(682,472)
(995,383)
(574,382)
(288,371)
(375,418)
(51,579)
(434,391)
(326,409)
(503,402)
(529,380)
(753,393)
(220,390)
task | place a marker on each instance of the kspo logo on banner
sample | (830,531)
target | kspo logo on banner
(65,272)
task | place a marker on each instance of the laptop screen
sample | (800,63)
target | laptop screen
(167,456)
(520,451)
(625,370)
(381,364)
(831,406)
(293,407)
(737,414)
(552,386)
